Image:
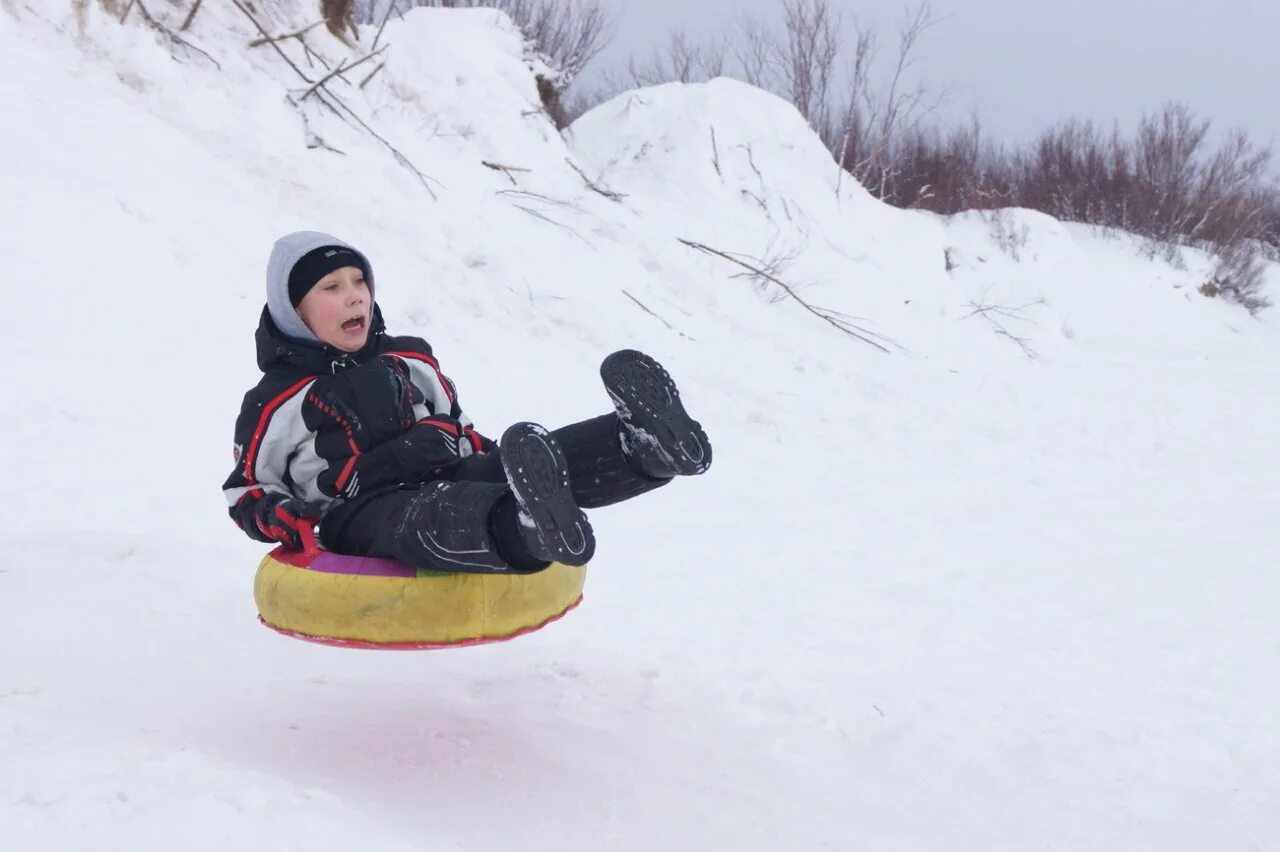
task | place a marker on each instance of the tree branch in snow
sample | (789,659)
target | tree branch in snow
(195,7)
(751,160)
(371,74)
(645,308)
(390,6)
(340,69)
(539,215)
(759,271)
(592,185)
(336,105)
(424,179)
(990,312)
(267,38)
(757,199)
(313,139)
(168,33)
(258,42)
(506,170)
(538,196)
(773,264)
(300,36)
(715,152)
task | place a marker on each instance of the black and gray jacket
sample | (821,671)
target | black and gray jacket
(326,426)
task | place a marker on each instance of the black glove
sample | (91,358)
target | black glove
(430,445)
(287,520)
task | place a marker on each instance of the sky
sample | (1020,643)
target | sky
(1023,66)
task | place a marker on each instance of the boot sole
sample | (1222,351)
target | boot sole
(539,477)
(648,400)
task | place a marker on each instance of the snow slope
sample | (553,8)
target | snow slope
(943,597)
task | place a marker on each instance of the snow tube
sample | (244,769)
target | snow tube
(363,602)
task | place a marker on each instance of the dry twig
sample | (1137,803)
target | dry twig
(371,74)
(645,308)
(190,16)
(258,42)
(986,312)
(335,72)
(537,196)
(835,319)
(592,185)
(539,215)
(168,33)
(392,5)
(506,170)
(337,106)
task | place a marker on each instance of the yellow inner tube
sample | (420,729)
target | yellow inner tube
(409,611)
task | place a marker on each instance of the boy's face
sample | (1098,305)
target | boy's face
(337,309)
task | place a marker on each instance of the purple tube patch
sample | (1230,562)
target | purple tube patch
(336,563)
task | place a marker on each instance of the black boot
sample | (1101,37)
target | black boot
(552,525)
(657,433)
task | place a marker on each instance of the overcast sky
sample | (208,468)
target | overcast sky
(1025,64)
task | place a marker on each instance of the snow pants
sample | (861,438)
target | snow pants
(469,523)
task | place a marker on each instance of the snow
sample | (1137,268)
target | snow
(944,597)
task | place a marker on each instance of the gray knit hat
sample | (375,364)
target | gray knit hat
(287,251)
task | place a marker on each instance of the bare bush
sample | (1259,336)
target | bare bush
(947,172)
(808,59)
(756,52)
(681,60)
(1166,184)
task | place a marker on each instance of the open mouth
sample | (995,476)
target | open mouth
(352,325)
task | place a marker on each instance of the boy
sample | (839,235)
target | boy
(360,432)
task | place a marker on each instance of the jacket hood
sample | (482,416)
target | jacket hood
(287,251)
(278,351)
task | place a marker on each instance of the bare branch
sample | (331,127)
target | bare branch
(337,106)
(390,6)
(371,74)
(190,16)
(860,334)
(506,170)
(985,311)
(267,39)
(168,33)
(340,69)
(645,308)
(539,215)
(592,185)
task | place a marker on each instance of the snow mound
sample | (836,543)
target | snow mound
(682,137)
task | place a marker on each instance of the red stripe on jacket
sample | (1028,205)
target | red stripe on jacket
(270,409)
(435,365)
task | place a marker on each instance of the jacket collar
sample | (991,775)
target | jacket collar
(278,351)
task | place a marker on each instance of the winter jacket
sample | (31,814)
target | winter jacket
(327,427)
(331,427)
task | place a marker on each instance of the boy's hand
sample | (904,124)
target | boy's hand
(288,520)
(431,444)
